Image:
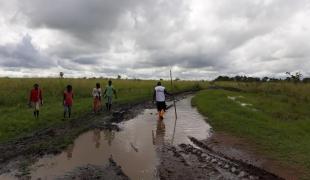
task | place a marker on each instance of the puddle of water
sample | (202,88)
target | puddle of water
(234,98)
(133,148)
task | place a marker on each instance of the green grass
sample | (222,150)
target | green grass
(16,118)
(277,121)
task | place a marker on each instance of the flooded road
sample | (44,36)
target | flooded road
(133,148)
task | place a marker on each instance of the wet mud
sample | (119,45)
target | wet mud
(110,171)
(110,147)
(241,149)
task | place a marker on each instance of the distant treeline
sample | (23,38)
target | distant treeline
(291,78)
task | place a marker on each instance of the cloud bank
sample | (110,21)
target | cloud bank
(144,39)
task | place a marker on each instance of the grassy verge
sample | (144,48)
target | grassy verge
(279,124)
(16,118)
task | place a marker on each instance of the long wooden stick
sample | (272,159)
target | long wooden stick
(175,110)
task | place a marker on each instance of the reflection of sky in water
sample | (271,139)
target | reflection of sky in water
(133,148)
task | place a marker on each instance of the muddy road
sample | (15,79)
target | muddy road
(128,144)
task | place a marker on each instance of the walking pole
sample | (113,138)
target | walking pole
(175,110)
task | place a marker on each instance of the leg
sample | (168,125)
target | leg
(65,111)
(69,111)
(107,105)
(161,109)
(94,106)
(37,106)
(110,102)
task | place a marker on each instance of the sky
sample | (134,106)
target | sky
(197,39)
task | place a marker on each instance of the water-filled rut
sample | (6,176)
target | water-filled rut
(133,148)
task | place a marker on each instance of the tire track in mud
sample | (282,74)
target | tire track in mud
(198,161)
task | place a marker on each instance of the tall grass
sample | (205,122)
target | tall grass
(16,118)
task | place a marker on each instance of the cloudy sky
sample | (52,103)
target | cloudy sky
(198,39)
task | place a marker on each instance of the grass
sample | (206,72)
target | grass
(16,118)
(277,119)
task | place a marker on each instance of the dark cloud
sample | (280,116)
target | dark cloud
(88,60)
(23,54)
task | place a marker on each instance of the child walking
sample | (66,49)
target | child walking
(35,99)
(68,101)
(97,98)
(108,94)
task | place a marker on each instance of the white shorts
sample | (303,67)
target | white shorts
(36,105)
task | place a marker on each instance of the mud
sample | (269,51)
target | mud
(240,149)
(21,152)
(110,171)
(144,147)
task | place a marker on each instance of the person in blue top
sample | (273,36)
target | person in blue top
(108,94)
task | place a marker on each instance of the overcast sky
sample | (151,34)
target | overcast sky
(198,39)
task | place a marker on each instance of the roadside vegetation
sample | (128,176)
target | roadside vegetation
(16,117)
(275,116)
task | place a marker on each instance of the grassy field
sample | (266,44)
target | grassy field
(275,116)
(16,118)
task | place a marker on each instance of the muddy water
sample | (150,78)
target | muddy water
(133,148)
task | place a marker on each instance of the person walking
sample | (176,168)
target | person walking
(159,96)
(68,101)
(108,94)
(35,100)
(97,98)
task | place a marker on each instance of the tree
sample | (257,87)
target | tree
(294,77)
(265,79)
(61,74)
(119,77)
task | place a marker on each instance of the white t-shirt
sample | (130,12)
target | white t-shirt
(160,93)
(97,92)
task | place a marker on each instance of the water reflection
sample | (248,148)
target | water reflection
(97,137)
(109,136)
(69,151)
(159,135)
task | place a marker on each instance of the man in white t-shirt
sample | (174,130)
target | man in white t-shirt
(160,97)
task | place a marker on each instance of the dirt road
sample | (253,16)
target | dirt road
(110,147)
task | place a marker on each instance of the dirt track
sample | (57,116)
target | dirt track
(183,161)
(199,162)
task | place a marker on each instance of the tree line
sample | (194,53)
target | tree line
(291,77)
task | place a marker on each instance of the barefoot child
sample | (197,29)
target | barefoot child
(97,98)
(108,94)
(68,101)
(35,99)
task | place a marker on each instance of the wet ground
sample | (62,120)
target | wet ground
(144,148)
